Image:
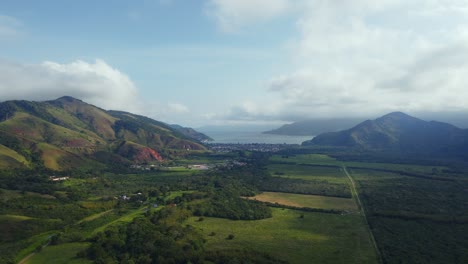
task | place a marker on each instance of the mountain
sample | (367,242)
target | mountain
(192,133)
(68,133)
(313,127)
(399,133)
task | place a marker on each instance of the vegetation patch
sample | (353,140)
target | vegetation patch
(415,220)
(312,238)
(60,254)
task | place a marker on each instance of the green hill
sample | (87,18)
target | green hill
(400,133)
(67,133)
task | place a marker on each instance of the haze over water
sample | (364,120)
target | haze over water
(244,137)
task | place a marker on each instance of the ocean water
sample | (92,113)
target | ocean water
(245,137)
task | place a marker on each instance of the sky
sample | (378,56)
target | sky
(215,62)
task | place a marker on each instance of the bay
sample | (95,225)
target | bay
(247,137)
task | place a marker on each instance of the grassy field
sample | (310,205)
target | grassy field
(95,216)
(304,172)
(127,218)
(315,238)
(60,254)
(310,201)
(7,153)
(308,179)
(14,218)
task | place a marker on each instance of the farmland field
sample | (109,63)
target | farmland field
(315,238)
(310,173)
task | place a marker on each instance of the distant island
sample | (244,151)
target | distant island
(312,127)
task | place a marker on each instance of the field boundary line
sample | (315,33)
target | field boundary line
(363,212)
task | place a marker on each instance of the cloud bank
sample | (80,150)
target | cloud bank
(96,83)
(363,57)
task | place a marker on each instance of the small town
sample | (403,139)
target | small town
(261,147)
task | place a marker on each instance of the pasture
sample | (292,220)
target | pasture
(309,201)
(313,238)
(309,173)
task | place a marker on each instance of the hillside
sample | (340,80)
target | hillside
(313,127)
(68,132)
(399,133)
(192,133)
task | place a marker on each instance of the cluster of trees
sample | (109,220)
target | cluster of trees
(25,180)
(226,205)
(161,238)
(414,219)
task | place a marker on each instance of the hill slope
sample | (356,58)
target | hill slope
(401,133)
(68,132)
(192,133)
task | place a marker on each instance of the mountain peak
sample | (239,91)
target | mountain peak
(68,99)
(397,132)
(397,115)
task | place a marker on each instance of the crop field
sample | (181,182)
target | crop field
(307,179)
(314,238)
(310,201)
(306,159)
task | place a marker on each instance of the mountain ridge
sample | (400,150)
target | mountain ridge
(400,133)
(68,132)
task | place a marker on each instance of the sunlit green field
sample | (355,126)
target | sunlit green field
(310,201)
(59,254)
(315,238)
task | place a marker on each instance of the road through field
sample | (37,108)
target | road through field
(363,211)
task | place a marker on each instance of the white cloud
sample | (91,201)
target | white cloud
(234,15)
(96,83)
(364,57)
(177,108)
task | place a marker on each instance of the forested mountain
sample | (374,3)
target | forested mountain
(68,132)
(400,133)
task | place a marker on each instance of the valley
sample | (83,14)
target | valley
(130,195)
(325,226)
